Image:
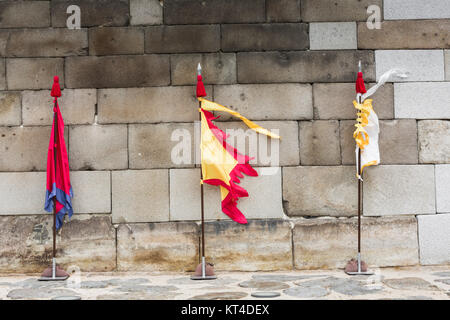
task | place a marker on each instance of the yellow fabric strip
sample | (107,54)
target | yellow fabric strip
(212,106)
(360,135)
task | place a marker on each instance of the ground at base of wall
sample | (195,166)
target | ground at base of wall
(413,283)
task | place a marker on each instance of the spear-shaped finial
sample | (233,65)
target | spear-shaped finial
(359,66)
(201,92)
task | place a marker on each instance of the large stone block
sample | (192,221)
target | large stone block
(24,148)
(338,10)
(262,37)
(117,71)
(422,100)
(172,246)
(443,188)
(185,203)
(397,142)
(10,109)
(283,10)
(335,101)
(434,141)
(333,35)
(213,11)
(264,150)
(416,34)
(320,191)
(24,14)
(148,105)
(218,68)
(421,65)
(98,147)
(77,106)
(319,143)
(42,69)
(140,196)
(87,242)
(117,40)
(447,64)
(93,12)
(161,145)
(92,191)
(44,42)
(399,190)
(264,201)
(146,12)
(290,101)
(22,192)
(180,39)
(328,243)
(2,74)
(416,9)
(434,239)
(303,66)
(260,245)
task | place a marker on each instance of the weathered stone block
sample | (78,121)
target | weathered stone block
(267,101)
(42,69)
(328,243)
(434,239)
(251,247)
(319,143)
(93,12)
(24,14)
(333,35)
(77,106)
(397,142)
(261,37)
(117,40)
(10,109)
(87,242)
(416,9)
(335,101)
(320,191)
(172,246)
(161,145)
(303,66)
(213,11)
(2,74)
(185,203)
(421,65)
(24,148)
(148,105)
(434,141)
(447,64)
(117,71)
(97,147)
(442,188)
(92,191)
(264,201)
(22,192)
(45,42)
(146,12)
(338,10)
(417,34)
(180,39)
(140,196)
(422,100)
(399,190)
(218,68)
(283,10)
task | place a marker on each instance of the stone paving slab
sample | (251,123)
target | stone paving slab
(412,283)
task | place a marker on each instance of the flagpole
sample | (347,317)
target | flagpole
(55,123)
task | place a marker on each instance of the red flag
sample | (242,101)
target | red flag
(59,188)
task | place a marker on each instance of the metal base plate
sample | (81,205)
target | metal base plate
(265,294)
(53,279)
(203,278)
(362,273)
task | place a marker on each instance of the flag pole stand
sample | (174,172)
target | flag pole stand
(204,270)
(54,273)
(360,188)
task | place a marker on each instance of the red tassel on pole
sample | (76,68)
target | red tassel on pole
(201,92)
(56,89)
(360,87)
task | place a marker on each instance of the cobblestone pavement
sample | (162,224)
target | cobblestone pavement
(387,283)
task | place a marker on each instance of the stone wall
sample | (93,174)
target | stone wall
(128,76)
